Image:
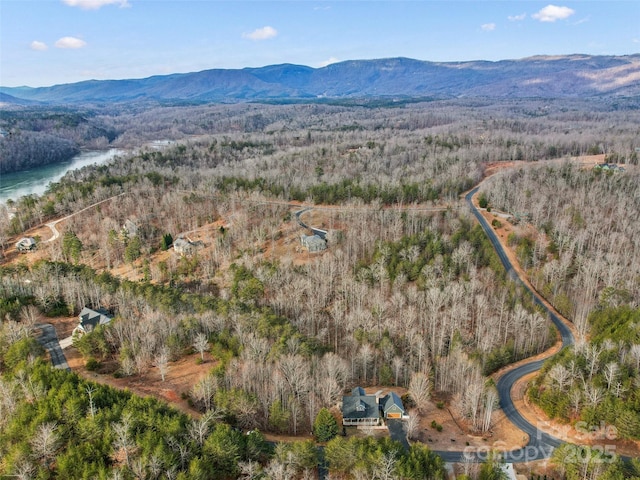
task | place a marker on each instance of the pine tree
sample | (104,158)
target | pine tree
(325,426)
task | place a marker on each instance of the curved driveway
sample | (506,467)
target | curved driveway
(52,225)
(541,445)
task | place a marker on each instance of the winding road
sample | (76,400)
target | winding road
(541,444)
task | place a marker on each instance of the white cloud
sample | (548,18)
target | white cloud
(551,13)
(329,62)
(517,18)
(70,42)
(40,46)
(263,33)
(488,27)
(95,4)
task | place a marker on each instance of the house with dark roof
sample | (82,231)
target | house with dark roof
(90,319)
(360,409)
(391,406)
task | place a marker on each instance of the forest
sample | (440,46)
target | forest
(409,293)
(38,136)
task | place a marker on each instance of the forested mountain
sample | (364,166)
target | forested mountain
(40,136)
(6,100)
(36,136)
(571,76)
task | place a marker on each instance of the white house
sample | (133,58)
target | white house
(26,244)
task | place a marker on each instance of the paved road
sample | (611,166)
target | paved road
(541,445)
(49,340)
(565,332)
(300,212)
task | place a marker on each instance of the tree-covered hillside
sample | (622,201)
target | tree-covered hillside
(32,137)
(409,293)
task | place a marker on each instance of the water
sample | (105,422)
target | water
(35,181)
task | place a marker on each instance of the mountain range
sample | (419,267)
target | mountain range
(566,76)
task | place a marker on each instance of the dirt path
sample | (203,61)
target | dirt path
(52,225)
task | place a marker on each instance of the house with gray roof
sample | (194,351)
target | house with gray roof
(391,405)
(185,246)
(313,243)
(90,319)
(360,409)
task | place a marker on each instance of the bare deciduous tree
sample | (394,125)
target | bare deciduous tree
(45,441)
(201,343)
(611,370)
(420,387)
(162,362)
(412,424)
(122,441)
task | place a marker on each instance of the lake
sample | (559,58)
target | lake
(35,181)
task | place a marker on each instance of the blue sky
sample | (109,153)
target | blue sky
(47,42)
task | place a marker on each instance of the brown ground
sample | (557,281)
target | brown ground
(595,438)
(457,434)
(182,375)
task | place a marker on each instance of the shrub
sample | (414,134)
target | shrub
(92,364)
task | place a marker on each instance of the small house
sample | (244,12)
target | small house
(185,246)
(130,228)
(27,244)
(360,409)
(313,243)
(90,319)
(391,406)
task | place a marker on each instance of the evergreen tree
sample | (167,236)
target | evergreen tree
(133,249)
(71,246)
(325,426)
(166,241)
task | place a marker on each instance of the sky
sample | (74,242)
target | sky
(49,42)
